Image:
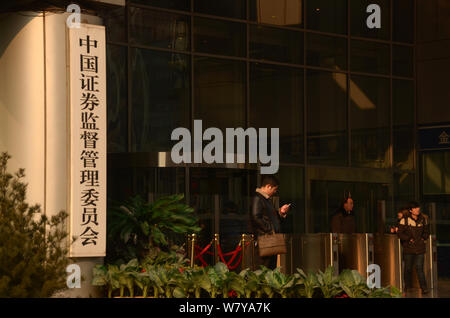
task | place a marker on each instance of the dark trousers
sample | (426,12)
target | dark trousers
(416,260)
(267,261)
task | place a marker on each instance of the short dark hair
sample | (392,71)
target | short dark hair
(412,205)
(271,180)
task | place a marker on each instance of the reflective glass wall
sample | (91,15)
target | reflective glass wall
(342,94)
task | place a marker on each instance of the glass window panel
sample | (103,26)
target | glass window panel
(276,44)
(403,191)
(403,21)
(369,121)
(279,12)
(115,23)
(291,190)
(358,16)
(219,92)
(433,173)
(327,15)
(117,98)
(370,57)
(281,88)
(403,123)
(168,4)
(326,51)
(327,117)
(227,8)
(221,198)
(160,29)
(402,64)
(161,98)
(219,37)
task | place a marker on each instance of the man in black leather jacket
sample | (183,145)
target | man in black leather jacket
(265,218)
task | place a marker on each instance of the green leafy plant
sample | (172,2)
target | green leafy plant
(328,283)
(308,283)
(106,277)
(279,283)
(127,275)
(251,281)
(353,284)
(140,225)
(33,250)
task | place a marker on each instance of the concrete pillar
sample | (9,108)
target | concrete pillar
(34,113)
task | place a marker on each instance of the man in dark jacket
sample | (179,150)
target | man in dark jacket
(265,218)
(343,221)
(413,231)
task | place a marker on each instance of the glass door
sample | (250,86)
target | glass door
(221,197)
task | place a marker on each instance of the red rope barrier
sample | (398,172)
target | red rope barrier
(233,255)
(199,255)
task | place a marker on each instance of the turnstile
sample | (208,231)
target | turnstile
(355,251)
(429,266)
(310,252)
(388,255)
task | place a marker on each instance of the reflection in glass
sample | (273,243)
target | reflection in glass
(219,37)
(403,21)
(279,12)
(276,100)
(327,117)
(327,15)
(436,172)
(326,51)
(149,183)
(291,190)
(117,98)
(369,119)
(160,29)
(402,64)
(276,44)
(219,92)
(161,97)
(115,23)
(168,4)
(359,17)
(403,191)
(403,123)
(227,8)
(370,57)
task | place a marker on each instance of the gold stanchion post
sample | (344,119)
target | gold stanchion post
(193,238)
(216,249)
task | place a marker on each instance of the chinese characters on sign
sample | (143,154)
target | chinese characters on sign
(88,140)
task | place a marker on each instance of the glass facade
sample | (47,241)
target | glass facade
(342,95)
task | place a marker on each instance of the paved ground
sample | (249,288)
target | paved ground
(443,291)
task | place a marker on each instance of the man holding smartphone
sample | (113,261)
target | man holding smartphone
(265,218)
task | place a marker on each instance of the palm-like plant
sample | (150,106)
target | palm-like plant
(141,225)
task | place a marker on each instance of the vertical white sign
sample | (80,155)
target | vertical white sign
(87,63)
